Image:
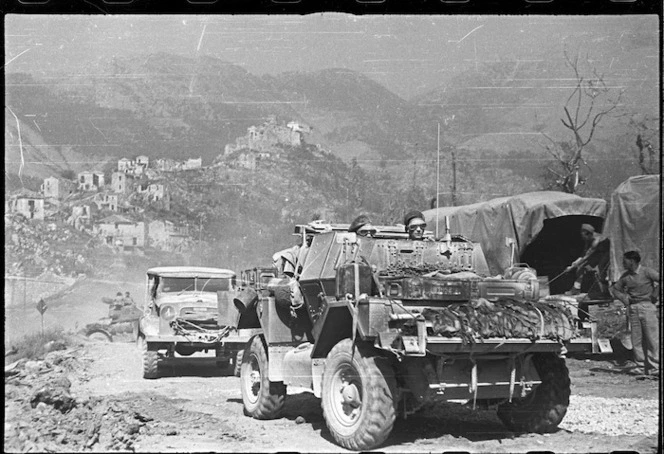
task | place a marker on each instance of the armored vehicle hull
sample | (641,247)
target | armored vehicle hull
(389,324)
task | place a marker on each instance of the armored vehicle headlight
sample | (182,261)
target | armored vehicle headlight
(415,288)
(167,313)
(394,290)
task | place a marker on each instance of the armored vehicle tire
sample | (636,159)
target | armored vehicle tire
(262,398)
(544,408)
(99,336)
(358,396)
(150,359)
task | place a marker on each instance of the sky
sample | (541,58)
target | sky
(409,55)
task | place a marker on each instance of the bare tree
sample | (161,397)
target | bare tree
(587,105)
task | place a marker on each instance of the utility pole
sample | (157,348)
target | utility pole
(200,238)
(437,178)
(454,177)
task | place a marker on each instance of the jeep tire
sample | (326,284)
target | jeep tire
(544,408)
(262,398)
(358,396)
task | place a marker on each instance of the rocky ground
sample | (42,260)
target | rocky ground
(92,397)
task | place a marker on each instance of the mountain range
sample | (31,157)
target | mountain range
(492,117)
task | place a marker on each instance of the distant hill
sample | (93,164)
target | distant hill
(163,105)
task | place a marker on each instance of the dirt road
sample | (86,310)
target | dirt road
(197,407)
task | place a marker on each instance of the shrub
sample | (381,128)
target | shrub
(36,346)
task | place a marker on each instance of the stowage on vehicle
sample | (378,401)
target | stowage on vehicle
(389,324)
(182,316)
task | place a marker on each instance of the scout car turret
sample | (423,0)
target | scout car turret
(389,324)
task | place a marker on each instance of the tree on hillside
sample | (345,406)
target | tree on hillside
(590,101)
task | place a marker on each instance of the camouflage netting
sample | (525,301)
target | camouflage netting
(482,319)
(431,269)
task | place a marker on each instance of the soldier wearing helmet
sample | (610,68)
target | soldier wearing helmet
(415,225)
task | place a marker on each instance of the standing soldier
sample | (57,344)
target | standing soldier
(637,289)
(595,257)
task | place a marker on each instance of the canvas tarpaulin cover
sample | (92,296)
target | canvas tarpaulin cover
(520,217)
(633,222)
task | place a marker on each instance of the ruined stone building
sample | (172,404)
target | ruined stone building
(106,201)
(90,181)
(27,203)
(81,217)
(121,182)
(264,138)
(121,232)
(167,236)
(56,189)
(125,165)
(192,164)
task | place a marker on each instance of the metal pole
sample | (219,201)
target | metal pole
(437,179)
(25,300)
(454,177)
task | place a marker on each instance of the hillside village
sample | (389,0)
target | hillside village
(110,207)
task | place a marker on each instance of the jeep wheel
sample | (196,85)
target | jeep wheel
(358,397)
(544,408)
(262,398)
(150,359)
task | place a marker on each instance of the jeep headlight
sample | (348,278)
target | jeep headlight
(167,313)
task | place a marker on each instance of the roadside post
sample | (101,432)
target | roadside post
(41,307)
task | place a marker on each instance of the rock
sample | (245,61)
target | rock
(171,432)
(300,420)
(33,367)
(58,397)
(62,382)
(41,406)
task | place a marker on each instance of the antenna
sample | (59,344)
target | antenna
(438,180)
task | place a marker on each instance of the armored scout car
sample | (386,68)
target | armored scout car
(389,324)
(181,316)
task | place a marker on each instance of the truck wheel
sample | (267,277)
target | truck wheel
(262,398)
(150,359)
(544,408)
(184,350)
(358,397)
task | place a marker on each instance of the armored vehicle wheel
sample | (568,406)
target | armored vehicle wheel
(358,397)
(544,408)
(99,336)
(262,398)
(150,359)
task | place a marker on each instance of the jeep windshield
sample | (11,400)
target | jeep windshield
(193,284)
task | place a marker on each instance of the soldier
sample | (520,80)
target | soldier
(362,226)
(595,258)
(637,288)
(128,300)
(415,225)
